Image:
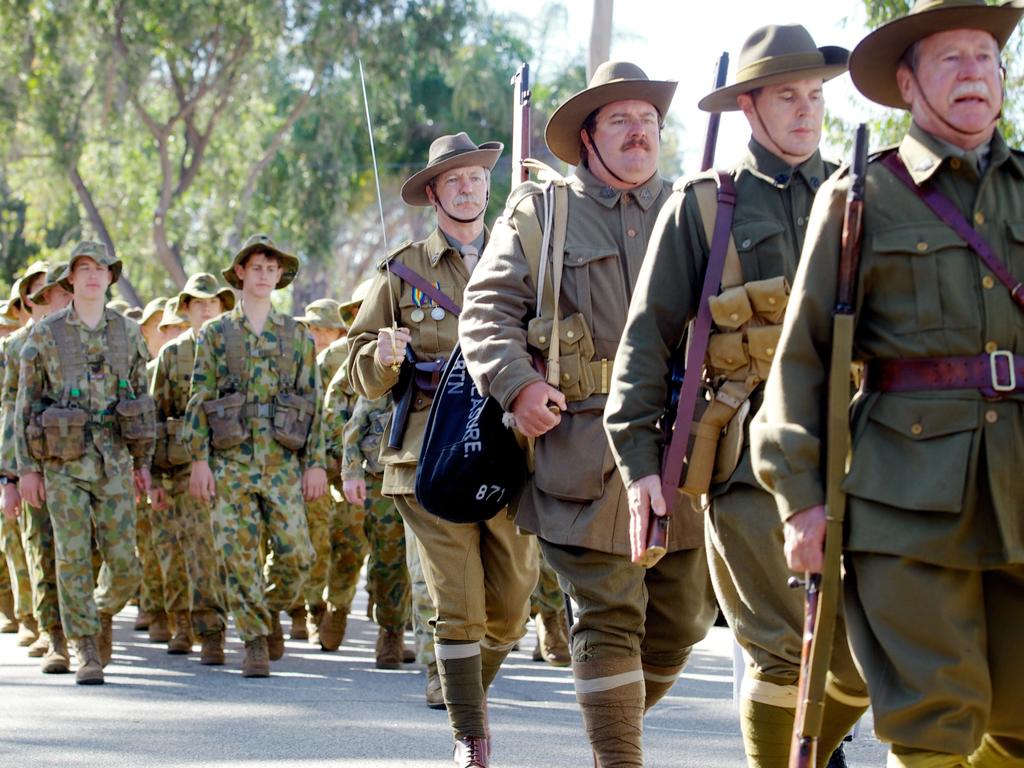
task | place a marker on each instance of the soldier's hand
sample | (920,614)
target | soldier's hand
(314,483)
(143,481)
(644,497)
(33,489)
(532,409)
(158,498)
(805,540)
(355,491)
(391,345)
(201,484)
(12,501)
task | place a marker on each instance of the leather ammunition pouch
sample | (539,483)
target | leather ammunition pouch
(579,375)
(64,432)
(35,439)
(136,421)
(224,415)
(292,421)
(171,450)
(427,376)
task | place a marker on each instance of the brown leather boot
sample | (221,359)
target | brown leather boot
(106,638)
(552,640)
(435,696)
(275,640)
(141,623)
(389,648)
(159,632)
(28,632)
(90,669)
(257,659)
(57,660)
(181,642)
(38,648)
(298,629)
(314,618)
(332,628)
(212,652)
(472,752)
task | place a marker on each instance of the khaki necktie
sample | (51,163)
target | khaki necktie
(470,255)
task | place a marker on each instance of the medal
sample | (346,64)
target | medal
(416,315)
(437,313)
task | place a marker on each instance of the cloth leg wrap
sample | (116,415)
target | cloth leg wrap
(658,681)
(490,663)
(998,753)
(459,667)
(610,693)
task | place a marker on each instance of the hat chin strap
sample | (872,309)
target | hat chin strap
(450,215)
(764,127)
(593,145)
(946,122)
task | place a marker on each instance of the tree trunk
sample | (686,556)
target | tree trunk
(600,36)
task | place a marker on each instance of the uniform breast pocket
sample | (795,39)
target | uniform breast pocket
(1015,255)
(762,247)
(921,279)
(433,328)
(593,278)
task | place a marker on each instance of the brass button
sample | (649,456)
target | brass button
(991,347)
(988,281)
(734,316)
(979,218)
(772,300)
(955,163)
(729,360)
(565,377)
(631,232)
(543,339)
(991,417)
(579,259)
(922,246)
(916,429)
(570,334)
(769,350)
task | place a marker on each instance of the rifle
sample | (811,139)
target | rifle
(657,531)
(402,395)
(520,124)
(822,588)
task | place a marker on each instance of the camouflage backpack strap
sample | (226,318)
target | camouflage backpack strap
(706,192)
(117,348)
(184,361)
(72,359)
(234,351)
(286,354)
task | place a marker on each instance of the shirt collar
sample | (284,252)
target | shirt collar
(923,154)
(645,195)
(772,169)
(438,243)
(238,314)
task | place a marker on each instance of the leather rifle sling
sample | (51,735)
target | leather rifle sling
(675,453)
(414,279)
(944,208)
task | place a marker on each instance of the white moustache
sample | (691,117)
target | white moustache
(972,88)
(463,199)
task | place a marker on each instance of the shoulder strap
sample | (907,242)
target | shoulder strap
(672,465)
(944,208)
(286,354)
(184,361)
(234,349)
(706,193)
(559,226)
(117,348)
(416,280)
(72,357)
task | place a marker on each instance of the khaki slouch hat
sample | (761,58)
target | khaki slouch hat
(447,152)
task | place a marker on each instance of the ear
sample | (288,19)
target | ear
(906,82)
(429,189)
(239,272)
(585,138)
(746,104)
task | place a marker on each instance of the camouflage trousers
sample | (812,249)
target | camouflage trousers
(378,527)
(422,606)
(37,534)
(318,518)
(167,543)
(151,589)
(78,509)
(255,505)
(17,566)
(547,596)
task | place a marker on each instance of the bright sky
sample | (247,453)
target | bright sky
(682,40)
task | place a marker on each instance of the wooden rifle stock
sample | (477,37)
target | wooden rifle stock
(520,124)
(822,595)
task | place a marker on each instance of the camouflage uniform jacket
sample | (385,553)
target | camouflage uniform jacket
(42,384)
(362,438)
(331,360)
(10,353)
(210,375)
(339,402)
(170,384)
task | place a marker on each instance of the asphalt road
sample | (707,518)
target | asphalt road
(320,709)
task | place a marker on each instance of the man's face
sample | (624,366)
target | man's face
(461,192)
(786,118)
(201,310)
(628,138)
(56,298)
(34,285)
(152,334)
(324,337)
(955,90)
(259,275)
(89,278)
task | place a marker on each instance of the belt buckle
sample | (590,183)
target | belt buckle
(993,364)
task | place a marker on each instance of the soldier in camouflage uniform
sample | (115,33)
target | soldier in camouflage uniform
(8,619)
(254,414)
(43,296)
(10,524)
(83,419)
(323,319)
(182,529)
(151,616)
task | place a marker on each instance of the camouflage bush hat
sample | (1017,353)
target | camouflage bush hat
(876,58)
(203,285)
(23,282)
(447,152)
(97,252)
(170,315)
(51,280)
(612,81)
(289,263)
(323,313)
(152,308)
(350,308)
(777,54)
